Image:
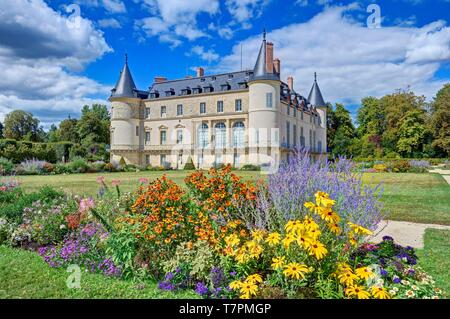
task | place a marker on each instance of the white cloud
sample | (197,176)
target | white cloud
(109,23)
(111,6)
(207,55)
(173,20)
(301,3)
(244,11)
(353,61)
(39,51)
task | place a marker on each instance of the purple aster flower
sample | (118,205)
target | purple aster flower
(396,280)
(386,238)
(233,273)
(383,272)
(201,289)
(169,276)
(164,285)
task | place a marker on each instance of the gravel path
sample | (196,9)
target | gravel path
(406,233)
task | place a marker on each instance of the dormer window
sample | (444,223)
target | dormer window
(225,87)
(186,91)
(197,90)
(154,95)
(213,78)
(208,89)
(170,92)
(230,76)
(243,85)
(202,80)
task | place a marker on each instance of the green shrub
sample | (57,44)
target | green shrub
(78,165)
(189,166)
(380,168)
(250,167)
(61,168)
(6,166)
(401,166)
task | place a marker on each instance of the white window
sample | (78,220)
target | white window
(236,160)
(163,160)
(238,134)
(203,135)
(147,138)
(147,112)
(163,137)
(288,134)
(238,105)
(179,110)
(269,100)
(163,111)
(202,108)
(137,130)
(219,106)
(147,159)
(179,136)
(221,135)
(219,159)
(294,138)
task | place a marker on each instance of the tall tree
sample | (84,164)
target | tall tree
(21,125)
(439,123)
(94,124)
(344,131)
(68,131)
(411,134)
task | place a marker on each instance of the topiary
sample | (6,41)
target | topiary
(189,166)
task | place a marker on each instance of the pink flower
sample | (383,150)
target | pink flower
(115,182)
(86,204)
(101,179)
(3,188)
(143,180)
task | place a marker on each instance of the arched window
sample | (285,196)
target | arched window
(238,134)
(203,135)
(221,135)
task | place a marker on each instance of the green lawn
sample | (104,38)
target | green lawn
(435,257)
(23,274)
(423,198)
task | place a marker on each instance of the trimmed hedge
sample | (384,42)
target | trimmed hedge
(18,151)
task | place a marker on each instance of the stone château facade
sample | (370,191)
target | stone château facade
(246,117)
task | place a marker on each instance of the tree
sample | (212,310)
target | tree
(1,130)
(20,125)
(68,131)
(94,124)
(53,134)
(344,131)
(411,134)
(439,122)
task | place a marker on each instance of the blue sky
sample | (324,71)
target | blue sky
(54,61)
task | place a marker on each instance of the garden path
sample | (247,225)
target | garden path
(407,233)
(404,233)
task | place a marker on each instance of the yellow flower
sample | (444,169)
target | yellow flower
(352,240)
(318,250)
(343,267)
(278,262)
(232,240)
(254,279)
(329,216)
(236,285)
(359,230)
(314,233)
(312,207)
(334,227)
(296,270)
(304,241)
(364,273)
(242,256)
(347,277)
(273,239)
(288,240)
(357,291)
(323,199)
(310,224)
(293,226)
(248,289)
(254,249)
(380,293)
(258,235)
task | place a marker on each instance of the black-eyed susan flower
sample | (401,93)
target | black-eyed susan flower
(288,240)
(334,227)
(380,293)
(273,239)
(278,262)
(258,235)
(296,270)
(318,250)
(347,277)
(255,278)
(294,226)
(359,230)
(364,273)
(248,289)
(236,285)
(357,291)
(304,240)
(232,240)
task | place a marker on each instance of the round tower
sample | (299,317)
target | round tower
(125,123)
(315,98)
(264,98)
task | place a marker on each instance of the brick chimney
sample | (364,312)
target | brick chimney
(269,57)
(276,66)
(159,79)
(200,72)
(290,81)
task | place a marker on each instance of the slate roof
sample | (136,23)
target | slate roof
(315,96)
(217,83)
(260,70)
(125,87)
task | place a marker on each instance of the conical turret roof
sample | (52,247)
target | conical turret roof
(260,70)
(315,97)
(125,87)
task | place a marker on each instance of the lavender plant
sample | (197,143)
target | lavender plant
(297,181)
